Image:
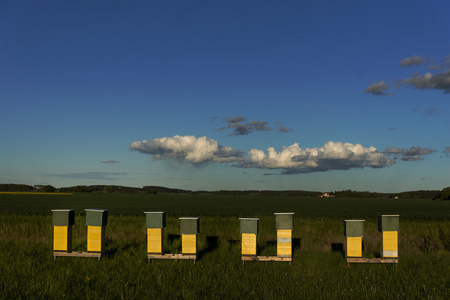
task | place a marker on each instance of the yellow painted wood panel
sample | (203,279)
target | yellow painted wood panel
(248,244)
(284,233)
(155,237)
(96,239)
(62,238)
(390,244)
(284,249)
(354,246)
(284,242)
(189,243)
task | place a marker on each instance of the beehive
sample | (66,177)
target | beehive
(63,219)
(155,221)
(285,224)
(249,231)
(96,221)
(388,225)
(189,227)
(354,232)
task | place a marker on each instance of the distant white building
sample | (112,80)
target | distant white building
(325,195)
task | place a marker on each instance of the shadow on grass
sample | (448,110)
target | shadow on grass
(174,244)
(270,244)
(338,247)
(233,243)
(296,244)
(111,250)
(173,237)
(212,242)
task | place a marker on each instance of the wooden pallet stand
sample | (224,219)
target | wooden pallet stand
(63,219)
(388,225)
(189,228)
(78,254)
(265,258)
(249,230)
(171,256)
(371,260)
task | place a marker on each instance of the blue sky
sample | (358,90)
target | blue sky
(208,95)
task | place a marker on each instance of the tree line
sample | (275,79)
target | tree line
(443,194)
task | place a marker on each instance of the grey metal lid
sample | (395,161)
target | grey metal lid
(96,209)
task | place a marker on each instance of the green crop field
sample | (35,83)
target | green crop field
(318,270)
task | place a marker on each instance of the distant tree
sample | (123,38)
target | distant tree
(10,187)
(357,194)
(81,189)
(109,189)
(421,194)
(48,189)
(445,194)
(86,189)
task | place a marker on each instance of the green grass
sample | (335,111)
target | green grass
(199,205)
(318,270)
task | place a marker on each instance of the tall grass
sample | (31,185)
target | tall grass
(201,205)
(318,270)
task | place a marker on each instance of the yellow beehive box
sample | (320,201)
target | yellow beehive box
(62,238)
(155,222)
(189,244)
(354,231)
(155,238)
(284,223)
(390,244)
(96,220)
(388,225)
(249,230)
(189,227)
(96,239)
(284,243)
(63,219)
(249,244)
(354,246)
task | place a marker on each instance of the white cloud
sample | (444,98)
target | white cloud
(113,176)
(445,65)
(447,151)
(439,81)
(332,156)
(431,111)
(239,126)
(284,129)
(290,160)
(236,119)
(411,61)
(394,150)
(111,161)
(415,153)
(188,148)
(378,89)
